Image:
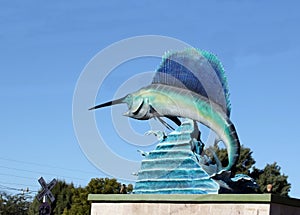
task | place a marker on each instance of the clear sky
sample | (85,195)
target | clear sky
(45,45)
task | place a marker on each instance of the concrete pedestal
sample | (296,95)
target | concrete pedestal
(215,204)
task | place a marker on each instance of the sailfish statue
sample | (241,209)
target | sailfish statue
(188,84)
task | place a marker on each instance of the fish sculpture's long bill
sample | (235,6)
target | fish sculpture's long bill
(110,103)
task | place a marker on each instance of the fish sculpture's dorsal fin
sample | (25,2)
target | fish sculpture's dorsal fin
(198,71)
(219,69)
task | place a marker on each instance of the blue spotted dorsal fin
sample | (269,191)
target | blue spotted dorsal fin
(198,71)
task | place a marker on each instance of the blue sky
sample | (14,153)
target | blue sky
(44,46)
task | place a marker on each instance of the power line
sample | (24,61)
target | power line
(17,176)
(46,165)
(15,186)
(42,173)
(9,188)
(19,184)
(26,191)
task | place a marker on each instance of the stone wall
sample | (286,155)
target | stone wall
(225,204)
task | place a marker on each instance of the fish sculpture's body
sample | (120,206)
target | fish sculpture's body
(178,90)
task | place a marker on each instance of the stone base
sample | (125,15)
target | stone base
(225,204)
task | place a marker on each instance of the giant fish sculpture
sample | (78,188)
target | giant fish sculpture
(188,84)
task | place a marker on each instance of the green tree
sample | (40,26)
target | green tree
(13,204)
(129,188)
(63,197)
(80,204)
(103,186)
(270,175)
(126,189)
(245,161)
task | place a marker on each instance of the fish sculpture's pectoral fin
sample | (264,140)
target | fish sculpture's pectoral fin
(174,119)
(167,125)
(157,116)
